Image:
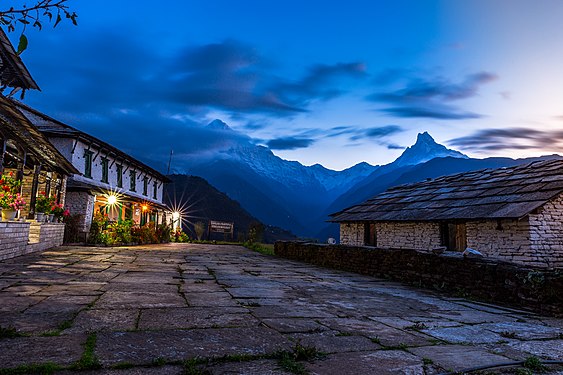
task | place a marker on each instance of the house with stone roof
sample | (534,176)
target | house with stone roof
(109,181)
(512,214)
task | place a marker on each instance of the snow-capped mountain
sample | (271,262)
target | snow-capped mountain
(286,193)
(423,150)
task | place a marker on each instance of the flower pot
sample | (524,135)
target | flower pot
(40,217)
(50,218)
(8,214)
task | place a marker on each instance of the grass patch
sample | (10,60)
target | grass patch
(9,333)
(266,249)
(157,362)
(290,360)
(401,346)
(192,367)
(534,364)
(88,361)
(376,340)
(122,366)
(43,369)
(427,361)
(340,334)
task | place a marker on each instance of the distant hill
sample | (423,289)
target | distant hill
(199,201)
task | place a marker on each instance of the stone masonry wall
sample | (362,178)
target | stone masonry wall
(408,235)
(507,240)
(81,202)
(13,238)
(546,233)
(352,234)
(495,281)
(19,238)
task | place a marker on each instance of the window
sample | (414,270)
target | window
(453,236)
(105,170)
(145,185)
(154,190)
(119,169)
(370,235)
(133,180)
(88,163)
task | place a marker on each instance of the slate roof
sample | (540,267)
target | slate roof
(13,72)
(504,193)
(55,128)
(15,125)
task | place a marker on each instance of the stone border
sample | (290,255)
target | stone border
(493,281)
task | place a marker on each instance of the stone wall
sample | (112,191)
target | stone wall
(507,240)
(13,238)
(81,202)
(495,281)
(19,238)
(408,235)
(546,233)
(352,234)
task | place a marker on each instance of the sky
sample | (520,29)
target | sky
(329,82)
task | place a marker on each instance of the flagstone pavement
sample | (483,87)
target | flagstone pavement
(205,309)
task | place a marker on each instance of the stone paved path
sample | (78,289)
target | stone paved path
(177,308)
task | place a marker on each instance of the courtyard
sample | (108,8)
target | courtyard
(209,309)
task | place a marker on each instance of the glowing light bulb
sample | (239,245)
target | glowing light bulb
(112,199)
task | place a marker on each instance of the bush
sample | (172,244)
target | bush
(163,233)
(99,225)
(180,236)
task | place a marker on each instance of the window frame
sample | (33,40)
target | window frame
(119,180)
(133,180)
(88,163)
(105,170)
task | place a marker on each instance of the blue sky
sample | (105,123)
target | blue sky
(325,82)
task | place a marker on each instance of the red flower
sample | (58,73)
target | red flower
(6,188)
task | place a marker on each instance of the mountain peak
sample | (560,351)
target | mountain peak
(425,149)
(218,125)
(424,138)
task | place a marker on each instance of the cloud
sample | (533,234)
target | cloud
(515,138)
(146,102)
(320,83)
(437,112)
(427,98)
(383,131)
(289,143)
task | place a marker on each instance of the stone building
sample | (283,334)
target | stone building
(513,214)
(27,155)
(109,180)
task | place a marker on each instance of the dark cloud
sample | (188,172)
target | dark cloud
(394,146)
(383,131)
(510,139)
(289,143)
(427,98)
(436,112)
(321,82)
(145,103)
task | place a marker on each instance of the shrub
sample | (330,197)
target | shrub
(163,233)
(98,226)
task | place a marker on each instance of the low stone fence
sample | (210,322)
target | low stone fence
(539,289)
(19,238)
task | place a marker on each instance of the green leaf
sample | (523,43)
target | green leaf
(22,45)
(59,19)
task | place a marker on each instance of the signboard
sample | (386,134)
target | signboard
(224,227)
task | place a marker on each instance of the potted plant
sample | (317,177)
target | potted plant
(59,212)
(43,206)
(10,199)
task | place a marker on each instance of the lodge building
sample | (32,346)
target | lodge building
(110,181)
(512,214)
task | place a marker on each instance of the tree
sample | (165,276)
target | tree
(35,13)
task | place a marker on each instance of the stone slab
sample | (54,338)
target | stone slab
(458,357)
(146,346)
(61,350)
